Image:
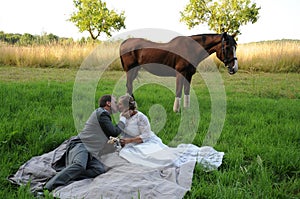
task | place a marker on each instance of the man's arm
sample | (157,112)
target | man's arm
(107,126)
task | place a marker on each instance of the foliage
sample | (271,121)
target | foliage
(27,39)
(9,37)
(221,16)
(93,16)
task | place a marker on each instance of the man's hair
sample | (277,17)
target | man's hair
(103,100)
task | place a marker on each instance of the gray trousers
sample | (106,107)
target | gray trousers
(79,165)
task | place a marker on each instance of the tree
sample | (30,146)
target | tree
(93,16)
(12,38)
(26,39)
(220,15)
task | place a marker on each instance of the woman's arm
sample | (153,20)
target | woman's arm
(144,128)
(125,141)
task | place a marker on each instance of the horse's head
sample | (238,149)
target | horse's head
(227,53)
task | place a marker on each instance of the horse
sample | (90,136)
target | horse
(181,55)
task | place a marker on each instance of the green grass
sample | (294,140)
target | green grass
(260,137)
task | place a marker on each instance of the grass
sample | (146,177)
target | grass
(260,137)
(269,56)
(52,55)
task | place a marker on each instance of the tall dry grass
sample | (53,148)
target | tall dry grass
(55,55)
(43,55)
(271,56)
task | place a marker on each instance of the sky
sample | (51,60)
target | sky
(279,19)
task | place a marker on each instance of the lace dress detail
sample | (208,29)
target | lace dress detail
(152,152)
(138,125)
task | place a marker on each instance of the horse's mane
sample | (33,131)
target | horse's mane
(214,34)
(205,34)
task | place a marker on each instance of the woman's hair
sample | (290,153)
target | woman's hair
(104,99)
(128,102)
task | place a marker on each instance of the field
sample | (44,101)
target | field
(260,137)
(268,56)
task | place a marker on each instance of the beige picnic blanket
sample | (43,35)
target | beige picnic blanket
(122,180)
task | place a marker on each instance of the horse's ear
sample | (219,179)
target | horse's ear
(224,35)
(235,34)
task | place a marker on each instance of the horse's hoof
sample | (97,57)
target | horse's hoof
(176,106)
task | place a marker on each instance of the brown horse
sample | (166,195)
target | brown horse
(182,55)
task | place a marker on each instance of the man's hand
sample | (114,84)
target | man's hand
(127,113)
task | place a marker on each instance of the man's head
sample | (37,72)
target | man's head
(109,103)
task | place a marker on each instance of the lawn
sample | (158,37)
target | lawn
(260,134)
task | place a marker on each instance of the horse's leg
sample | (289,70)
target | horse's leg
(179,84)
(187,87)
(131,75)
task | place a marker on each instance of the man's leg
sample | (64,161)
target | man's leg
(93,169)
(76,162)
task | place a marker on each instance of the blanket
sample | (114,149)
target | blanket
(123,179)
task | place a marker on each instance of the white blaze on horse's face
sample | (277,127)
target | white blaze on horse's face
(233,63)
(235,66)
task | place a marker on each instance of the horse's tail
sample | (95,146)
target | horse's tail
(128,55)
(122,52)
(122,62)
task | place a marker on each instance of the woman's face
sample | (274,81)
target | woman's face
(121,106)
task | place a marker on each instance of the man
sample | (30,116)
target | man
(80,157)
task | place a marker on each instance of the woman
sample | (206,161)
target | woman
(142,146)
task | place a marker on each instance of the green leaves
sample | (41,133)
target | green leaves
(93,16)
(221,16)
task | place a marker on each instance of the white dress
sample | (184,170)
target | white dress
(152,152)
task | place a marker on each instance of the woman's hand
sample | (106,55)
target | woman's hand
(124,141)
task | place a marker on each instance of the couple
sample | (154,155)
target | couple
(144,166)
(139,142)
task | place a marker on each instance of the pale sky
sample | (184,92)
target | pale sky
(279,19)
